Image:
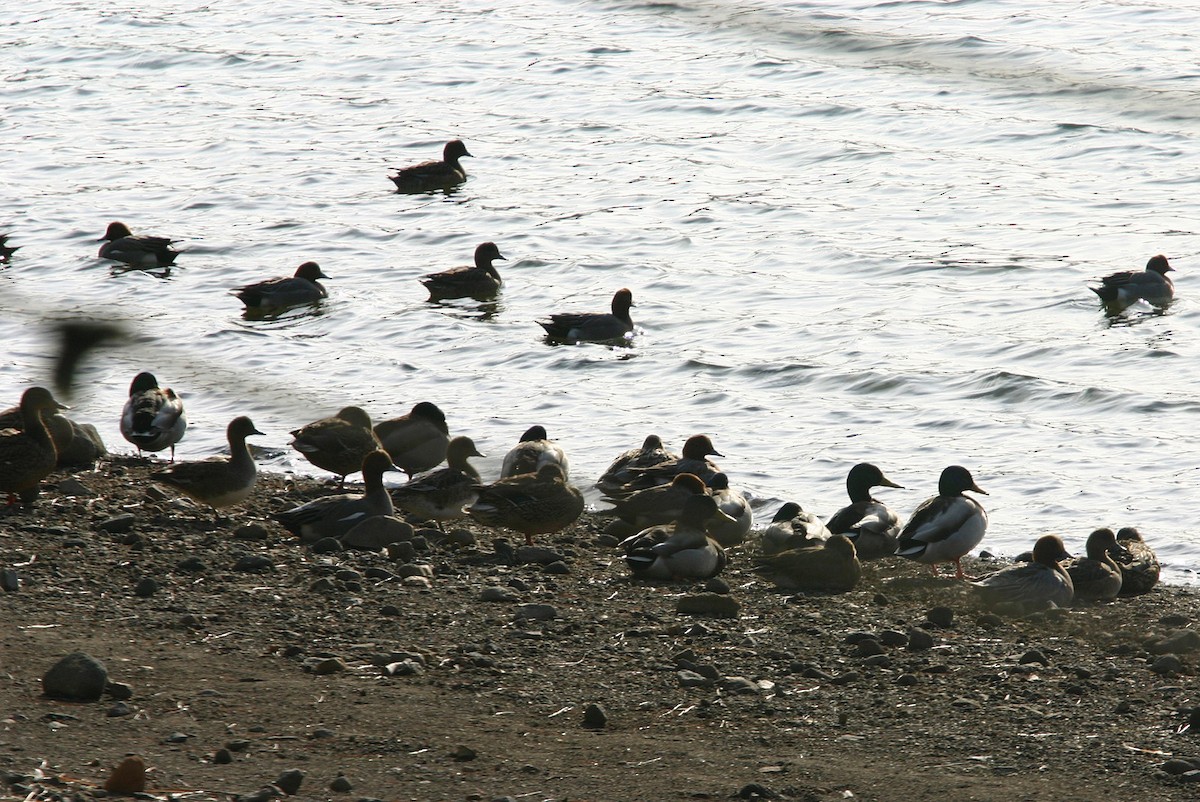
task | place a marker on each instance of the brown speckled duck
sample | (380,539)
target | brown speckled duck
(339,443)
(479,281)
(334,516)
(623,468)
(1097,577)
(416,441)
(530,503)
(434,175)
(217,482)
(1139,566)
(661,504)
(679,551)
(28,455)
(440,494)
(1031,585)
(830,567)
(695,460)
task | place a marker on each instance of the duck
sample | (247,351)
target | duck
(680,551)
(153,417)
(217,482)
(6,250)
(623,468)
(829,567)
(947,526)
(440,494)
(120,245)
(534,450)
(27,455)
(792,528)
(284,291)
(433,175)
(733,531)
(658,505)
(338,444)
(416,441)
(868,523)
(1152,285)
(58,425)
(1139,565)
(593,326)
(1097,577)
(334,516)
(694,459)
(480,280)
(529,503)
(1031,585)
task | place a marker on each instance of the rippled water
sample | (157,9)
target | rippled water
(853,231)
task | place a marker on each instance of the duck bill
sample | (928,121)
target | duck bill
(978,489)
(886,482)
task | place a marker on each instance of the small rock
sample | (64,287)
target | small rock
(537,554)
(868,647)
(222,756)
(329,665)
(905,680)
(463,753)
(595,717)
(73,487)
(893,637)
(1177,766)
(176,738)
(9,581)
(713,604)
(402,552)
(691,679)
(390,610)
(1180,641)
(119,690)
(415,569)
(377,533)
(382,574)
(76,677)
(323,585)
(1167,664)
(191,565)
(118,524)
(846,679)
(341,785)
(1174,620)
(119,710)
(423,582)
(940,617)
(404,668)
(289,781)
(238,745)
(145,587)
(716,585)
(989,621)
(496,593)
(254,563)
(739,685)
(460,537)
(1034,656)
(326,545)
(880,600)
(347,575)
(607,541)
(556,567)
(129,777)
(536,612)
(756,791)
(919,640)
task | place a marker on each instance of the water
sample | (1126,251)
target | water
(853,231)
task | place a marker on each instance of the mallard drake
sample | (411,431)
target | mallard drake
(831,567)
(661,504)
(1151,285)
(338,444)
(869,524)
(623,468)
(416,441)
(121,245)
(596,326)
(428,176)
(334,516)
(694,460)
(681,551)
(153,417)
(1097,577)
(534,450)
(792,528)
(6,250)
(947,526)
(736,508)
(440,494)
(284,291)
(27,455)
(480,280)
(1139,566)
(217,482)
(530,503)
(1033,584)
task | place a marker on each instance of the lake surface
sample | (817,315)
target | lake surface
(853,231)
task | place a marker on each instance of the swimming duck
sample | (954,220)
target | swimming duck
(334,516)
(1123,289)
(285,291)
(1097,577)
(6,250)
(831,567)
(27,455)
(694,460)
(416,441)
(142,250)
(1139,565)
(868,523)
(792,528)
(596,326)
(478,281)
(624,466)
(945,527)
(337,444)
(153,417)
(1033,584)
(681,551)
(217,482)
(532,452)
(440,494)
(658,505)
(529,503)
(432,175)
(734,505)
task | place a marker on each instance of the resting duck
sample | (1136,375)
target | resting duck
(695,460)
(1151,285)
(945,527)
(217,482)
(153,417)
(658,505)
(121,245)
(416,441)
(792,528)
(334,516)
(478,281)
(1097,577)
(624,467)
(440,495)
(1034,584)
(868,523)
(736,508)
(428,176)
(532,452)
(830,567)
(6,250)
(27,455)
(594,326)
(337,444)
(1139,565)
(285,291)
(529,503)
(681,551)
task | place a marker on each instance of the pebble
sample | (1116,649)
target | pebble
(739,685)
(1180,641)
(382,574)
(893,637)
(145,587)
(868,647)
(713,604)
(691,679)
(1167,664)
(9,581)
(347,575)
(119,690)
(326,545)
(463,753)
(595,717)
(254,563)
(717,585)
(129,777)
(536,612)
(1178,766)
(423,582)
(76,677)
(73,487)
(222,756)
(119,710)
(329,665)
(253,531)
(341,785)
(919,640)
(556,567)
(377,533)
(538,554)
(414,569)
(402,552)
(496,593)
(1033,656)
(191,565)
(289,781)
(404,668)
(118,524)
(389,610)
(176,738)
(323,585)
(940,617)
